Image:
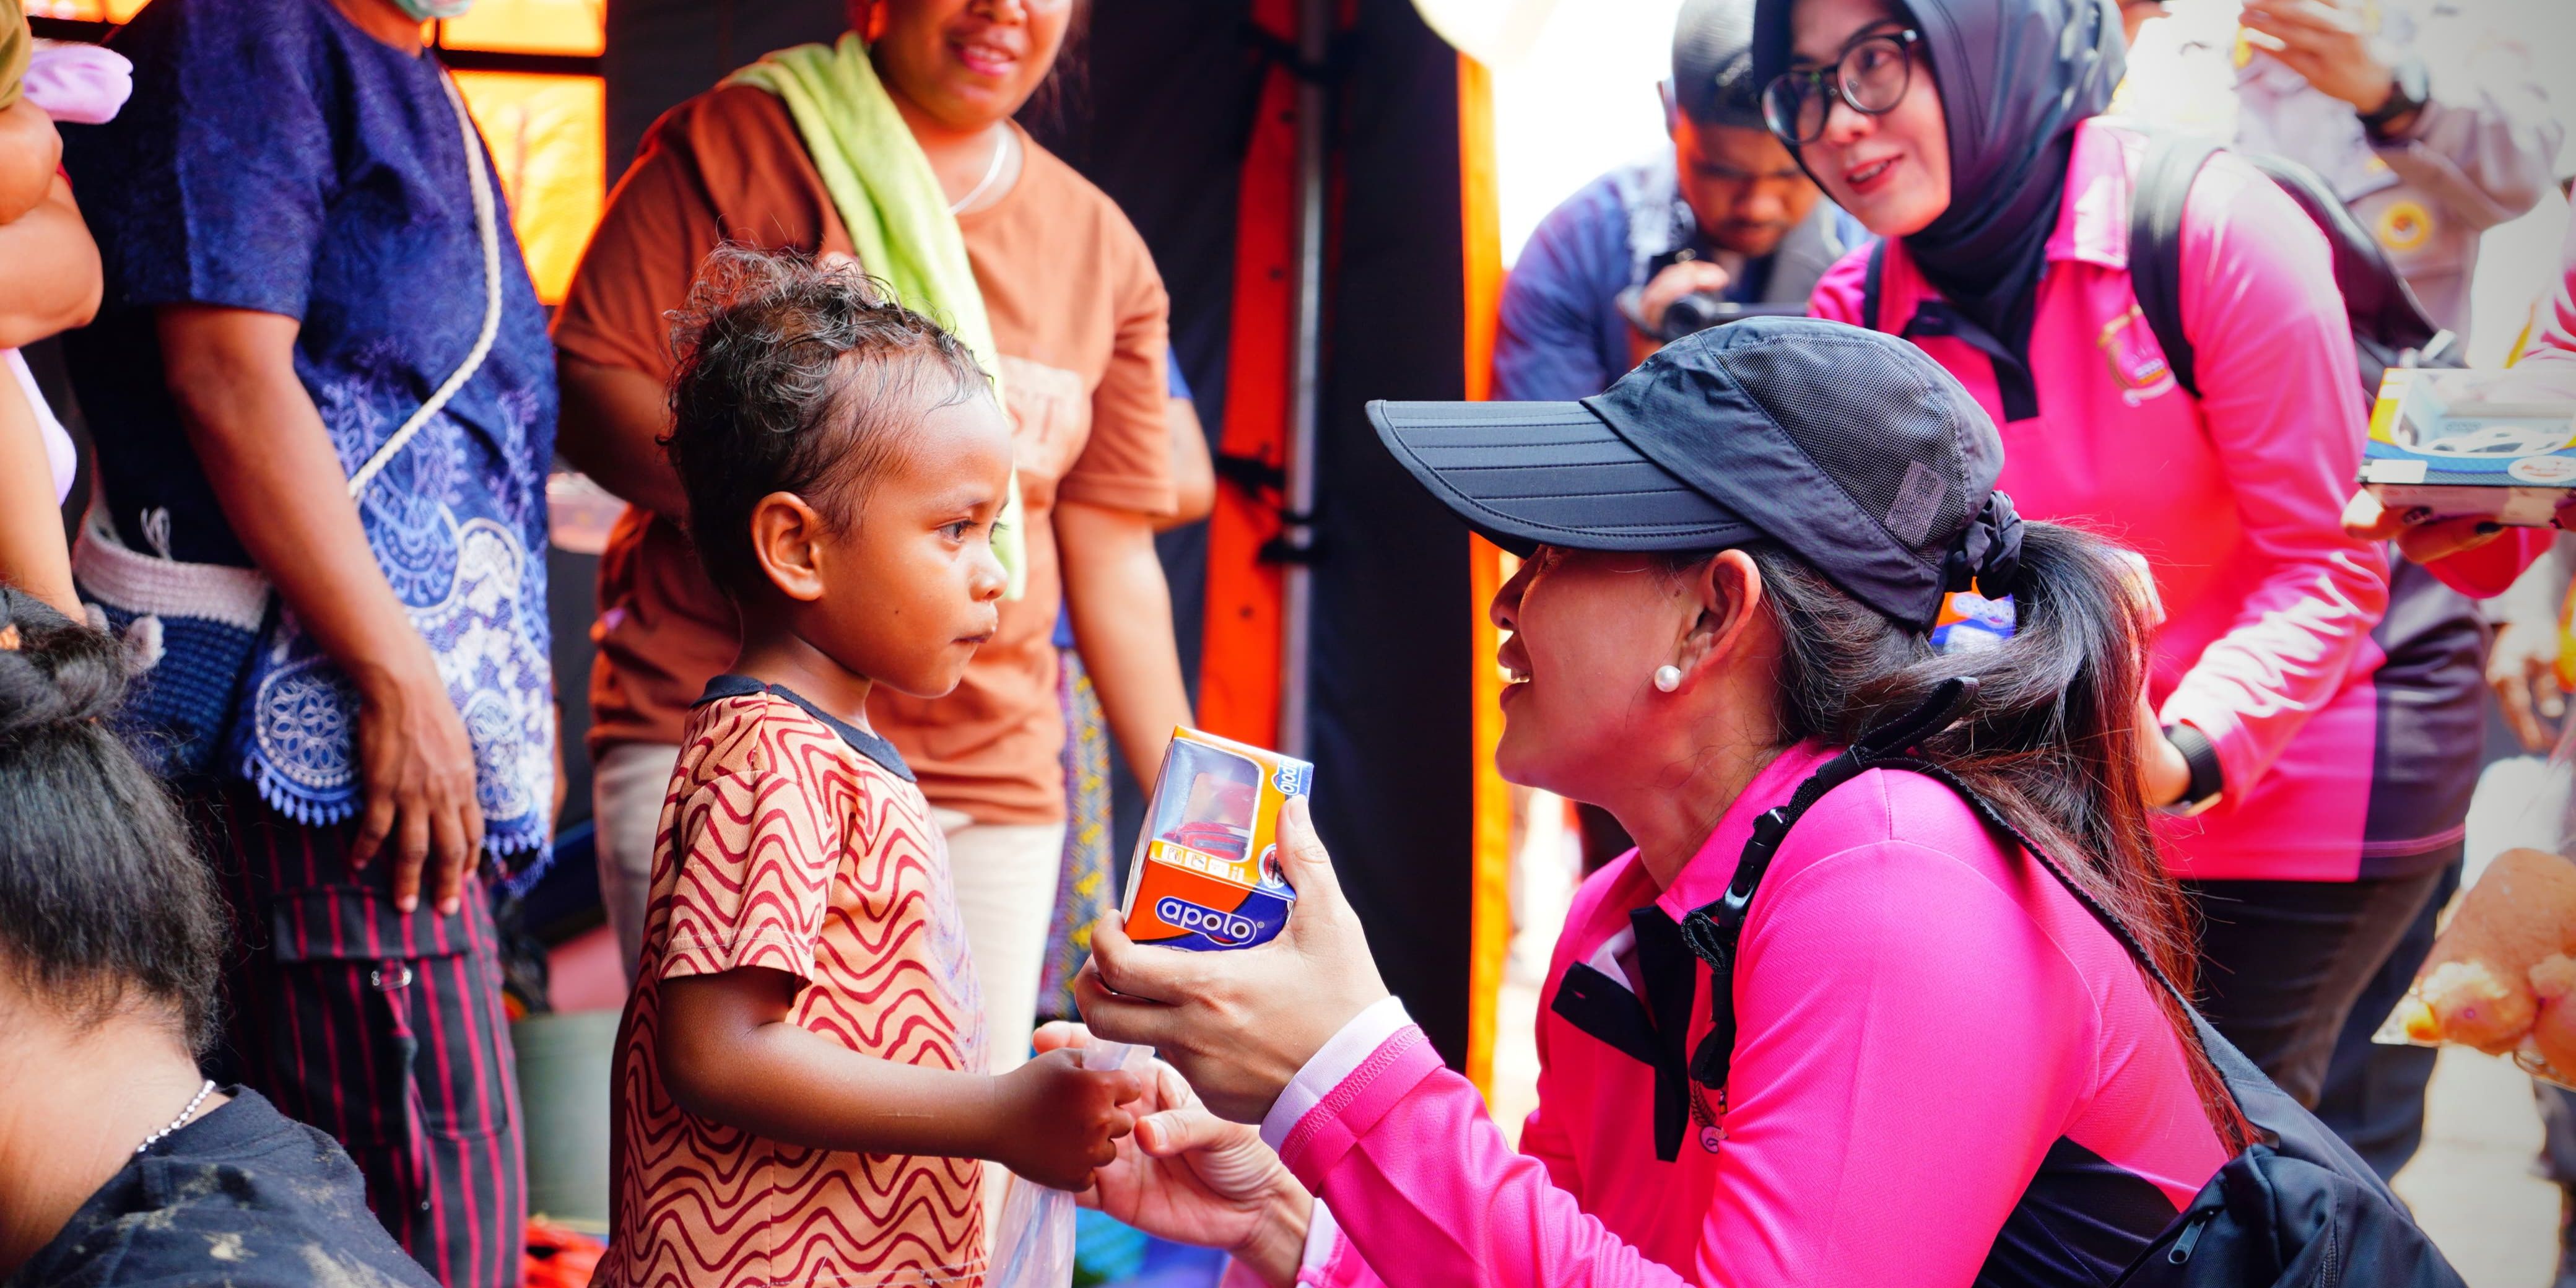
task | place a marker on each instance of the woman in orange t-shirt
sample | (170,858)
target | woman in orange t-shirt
(1080,319)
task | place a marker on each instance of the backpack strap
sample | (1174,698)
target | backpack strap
(1714,930)
(1876,268)
(2156,199)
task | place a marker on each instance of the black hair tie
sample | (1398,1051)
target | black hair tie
(1988,554)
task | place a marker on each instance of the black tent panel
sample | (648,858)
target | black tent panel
(1394,777)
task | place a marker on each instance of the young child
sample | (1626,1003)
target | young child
(800,1087)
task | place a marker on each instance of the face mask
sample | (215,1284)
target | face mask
(426,10)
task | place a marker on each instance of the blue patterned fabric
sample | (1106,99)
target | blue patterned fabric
(275,157)
(179,712)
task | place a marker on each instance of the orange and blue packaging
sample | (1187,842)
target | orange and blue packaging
(1205,875)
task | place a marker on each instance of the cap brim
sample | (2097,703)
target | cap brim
(1526,474)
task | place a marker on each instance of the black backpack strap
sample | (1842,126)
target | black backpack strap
(1876,267)
(1713,929)
(2164,182)
(1995,819)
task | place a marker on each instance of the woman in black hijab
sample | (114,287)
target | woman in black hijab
(1968,135)
(1997,129)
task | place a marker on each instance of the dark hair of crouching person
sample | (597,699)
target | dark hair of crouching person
(120,1163)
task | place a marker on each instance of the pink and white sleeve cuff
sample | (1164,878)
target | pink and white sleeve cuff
(1336,1060)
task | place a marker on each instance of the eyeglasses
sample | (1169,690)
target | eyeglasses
(1872,76)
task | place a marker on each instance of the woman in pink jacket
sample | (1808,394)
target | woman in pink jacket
(1941,1067)
(2302,771)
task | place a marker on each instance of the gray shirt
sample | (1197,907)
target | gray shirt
(2478,155)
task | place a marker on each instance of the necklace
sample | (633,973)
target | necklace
(182,1119)
(1002,148)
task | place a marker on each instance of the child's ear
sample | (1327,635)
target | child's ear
(786,539)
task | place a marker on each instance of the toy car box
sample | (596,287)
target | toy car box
(2463,443)
(1205,874)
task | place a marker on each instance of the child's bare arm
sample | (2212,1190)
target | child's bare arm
(29,151)
(49,274)
(33,557)
(728,1054)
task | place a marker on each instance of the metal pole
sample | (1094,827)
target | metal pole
(1314,46)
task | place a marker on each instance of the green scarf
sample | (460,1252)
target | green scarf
(890,200)
(15,45)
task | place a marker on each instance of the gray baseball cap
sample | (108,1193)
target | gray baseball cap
(1851,448)
(1713,80)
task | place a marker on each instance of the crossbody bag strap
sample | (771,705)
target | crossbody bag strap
(2234,1070)
(1994,818)
(1713,930)
(487,226)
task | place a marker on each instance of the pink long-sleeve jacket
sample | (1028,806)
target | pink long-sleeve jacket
(1942,1062)
(2236,499)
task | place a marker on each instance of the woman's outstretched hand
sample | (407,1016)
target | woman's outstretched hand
(2421,536)
(1187,1175)
(1240,1024)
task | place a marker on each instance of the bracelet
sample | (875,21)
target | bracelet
(2208,778)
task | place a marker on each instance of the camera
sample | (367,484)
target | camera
(1697,311)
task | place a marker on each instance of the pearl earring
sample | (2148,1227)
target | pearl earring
(1668,678)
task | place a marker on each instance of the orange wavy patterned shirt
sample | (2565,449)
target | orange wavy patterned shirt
(792,841)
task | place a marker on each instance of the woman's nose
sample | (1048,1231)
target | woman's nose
(1506,608)
(1845,124)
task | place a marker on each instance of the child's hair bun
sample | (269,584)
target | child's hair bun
(103,898)
(55,674)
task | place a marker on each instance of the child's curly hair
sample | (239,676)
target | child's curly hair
(795,376)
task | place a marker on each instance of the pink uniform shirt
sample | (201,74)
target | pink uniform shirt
(1931,1031)
(2235,500)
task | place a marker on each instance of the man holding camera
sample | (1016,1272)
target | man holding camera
(1723,224)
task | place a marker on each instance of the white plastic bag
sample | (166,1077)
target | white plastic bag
(1033,1244)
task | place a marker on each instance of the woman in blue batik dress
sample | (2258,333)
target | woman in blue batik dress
(324,401)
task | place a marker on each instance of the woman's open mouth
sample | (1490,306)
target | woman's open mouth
(1865,177)
(984,57)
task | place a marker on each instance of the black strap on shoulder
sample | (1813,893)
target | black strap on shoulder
(1876,267)
(1714,929)
(1995,819)
(2164,182)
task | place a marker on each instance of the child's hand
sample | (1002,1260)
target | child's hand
(1056,1122)
(1191,1176)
